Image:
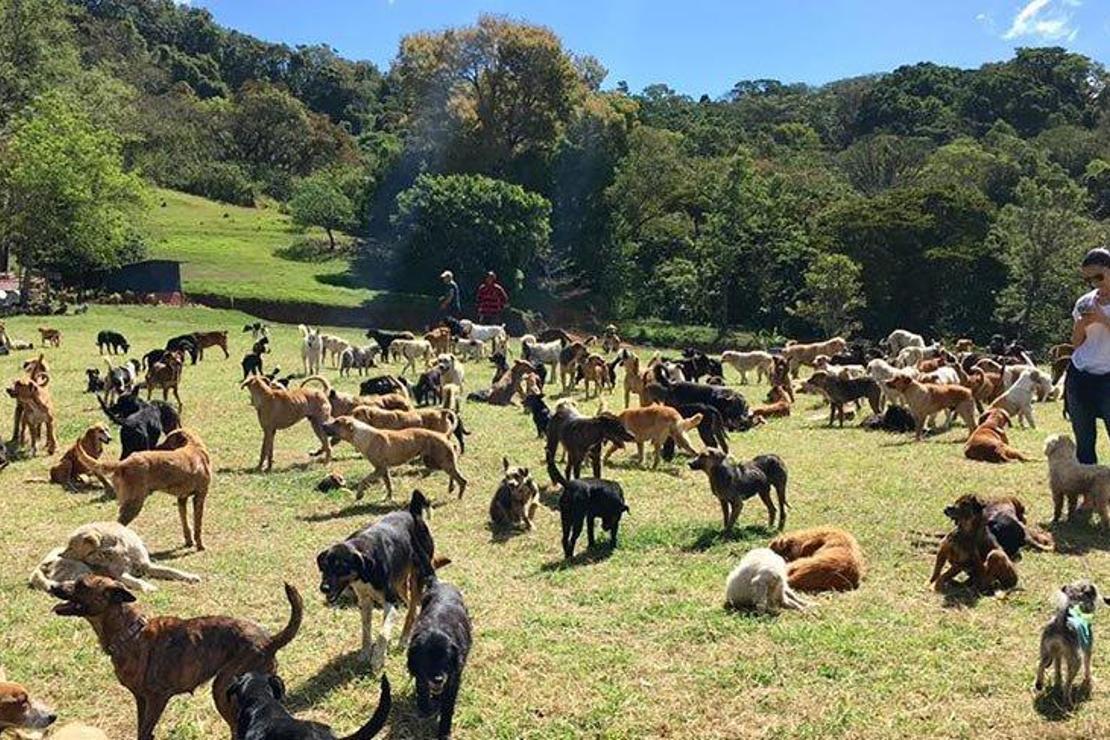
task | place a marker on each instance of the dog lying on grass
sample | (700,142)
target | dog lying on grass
(821,559)
(759,582)
(971,548)
(261,715)
(989,443)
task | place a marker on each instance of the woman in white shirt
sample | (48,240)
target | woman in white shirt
(1088,383)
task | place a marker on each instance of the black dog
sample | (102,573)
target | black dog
(584,500)
(581,436)
(382,385)
(95,383)
(113,341)
(186,344)
(454,325)
(142,423)
(541,414)
(385,338)
(711,429)
(251,364)
(121,379)
(501,366)
(695,364)
(152,357)
(429,388)
(895,419)
(261,346)
(262,717)
(731,405)
(734,483)
(438,651)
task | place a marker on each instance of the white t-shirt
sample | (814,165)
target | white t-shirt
(1093,356)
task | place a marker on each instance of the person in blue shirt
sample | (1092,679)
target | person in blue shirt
(449,304)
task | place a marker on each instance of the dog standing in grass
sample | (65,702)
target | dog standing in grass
(1069,637)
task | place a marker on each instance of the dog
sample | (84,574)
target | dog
(165,374)
(1069,479)
(342,404)
(899,339)
(261,715)
(759,582)
(19,712)
(156,658)
(581,436)
(312,349)
(411,350)
(656,424)
(797,355)
(495,334)
(1005,517)
(585,499)
(386,338)
(122,379)
(821,559)
(452,397)
(181,468)
(444,421)
(441,641)
(68,470)
(541,414)
(113,342)
(385,449)
(251,364)
(257,330)
(35,409)
(380,385)
(1017,400)
(440,339)
(93,382)
(989,443)
(333,348)
(211,339)
(971,548)
(734,483)
(49,336)
(186,344)
(926,400)
(429,387)
(1069,638)
(470,349)
(777,406)
(544,353)
(358,358)
(744,362)
(841,391)
(382,564)
(108,549)
(142,423)
(515,501)
(594,370)
(451,369)
(731,405)
(280,408)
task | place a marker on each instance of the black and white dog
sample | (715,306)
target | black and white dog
(583,501)
(258,330)
(261,715)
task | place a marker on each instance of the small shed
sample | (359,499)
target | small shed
(161,277)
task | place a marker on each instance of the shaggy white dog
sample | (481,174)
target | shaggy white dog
(743,362)
(312,349)
(1017,400)
(759,582)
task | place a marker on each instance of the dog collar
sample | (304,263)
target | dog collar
(126,636)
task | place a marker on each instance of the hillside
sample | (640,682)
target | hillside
(236,253)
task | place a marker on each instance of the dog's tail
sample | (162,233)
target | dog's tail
(318,378)
(552,468)
(296,615)
(1039,539)
(381,714)
(692,423)
(107,411)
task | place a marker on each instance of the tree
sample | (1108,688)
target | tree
(36,51)
(66,203)
(468,224)
(320,201)
(881,162)
(833,295)
(1042,237)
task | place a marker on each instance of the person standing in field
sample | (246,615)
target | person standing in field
(450,304)
(492,300)
(1087,386)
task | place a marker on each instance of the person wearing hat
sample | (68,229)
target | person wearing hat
(1087,387)
(492,300)
(449,304)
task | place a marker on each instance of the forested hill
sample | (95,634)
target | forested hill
(945,200)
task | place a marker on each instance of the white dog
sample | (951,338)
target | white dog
(312,349)
(451,369)
(495,334)
(882,371)
(411,350)
(1068,479)
(743,362)
(1017,400)
(899,339)
(759,582)
(545,352)
(334,347)
(108,549)
(470,349)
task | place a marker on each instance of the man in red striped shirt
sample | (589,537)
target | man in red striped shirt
(492,300)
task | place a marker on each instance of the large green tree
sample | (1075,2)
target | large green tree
(319,200)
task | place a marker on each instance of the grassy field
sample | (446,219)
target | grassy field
(236,252)
(630,644)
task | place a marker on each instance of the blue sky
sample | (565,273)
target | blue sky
(703,46)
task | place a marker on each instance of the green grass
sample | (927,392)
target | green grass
(632,645)
(242,253)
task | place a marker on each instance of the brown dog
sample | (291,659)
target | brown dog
(777,406)
(516,499)
(656,424)
(180,466)
(971,548)
(821,559)
(50,336)
(19,711)
(165,374)
(280,408)
(157,658)
(440,339)
(34,408)
(596,371)
(342,404)
(989,443)
(386,449)
(211,339)
(68,471)
(924,400)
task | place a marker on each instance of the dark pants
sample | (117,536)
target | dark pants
(1088,400)
(489,319)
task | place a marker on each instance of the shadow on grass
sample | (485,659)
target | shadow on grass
(961,596)
(173,553)
(405,721)
(310,251)
(1079,538)
(710,536)
(600,552)
(374,508)
(338,672)
(1050,704)
(499,535)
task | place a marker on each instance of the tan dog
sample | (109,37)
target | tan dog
(965,345)
(68,471)
(52,337)
(386,449)
(181,467)
(925,400)
(656,424)
(777,406)
(211,339)
(633,377)
(36,366)
(165,374)
(989,443)
(596,371)
(438,420)
(342,404)
(516,499)
(806,354)
(280,408)
(821,559)
(18,712)
(34,409)
(440,339)
(1069,479)
(452,396)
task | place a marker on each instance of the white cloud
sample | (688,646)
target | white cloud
(986,20)
(1045,20)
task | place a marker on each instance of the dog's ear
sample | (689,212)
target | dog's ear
(277,686)
(120,595)
(627,510)
(505,464)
